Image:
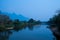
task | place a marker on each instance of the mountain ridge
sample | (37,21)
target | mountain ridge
(14,16)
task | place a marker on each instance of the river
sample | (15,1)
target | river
(38,32)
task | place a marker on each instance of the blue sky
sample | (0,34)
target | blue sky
(36,9)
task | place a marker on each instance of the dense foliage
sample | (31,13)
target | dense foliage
(7,23)
(55,21)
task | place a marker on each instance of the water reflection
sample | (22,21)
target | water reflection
(30,27)
(40,33)
(55,30)
(4,35)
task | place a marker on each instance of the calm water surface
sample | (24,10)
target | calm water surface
(39,32)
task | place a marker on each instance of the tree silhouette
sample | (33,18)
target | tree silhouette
(31,21)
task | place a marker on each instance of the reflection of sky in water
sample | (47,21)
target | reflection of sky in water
(39,33)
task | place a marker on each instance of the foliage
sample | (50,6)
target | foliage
(6,22)
(55,20)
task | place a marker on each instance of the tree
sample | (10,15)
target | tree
(55,20)
(4,18)
(31,21)
(16,24)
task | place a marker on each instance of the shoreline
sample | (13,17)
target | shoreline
(55,32)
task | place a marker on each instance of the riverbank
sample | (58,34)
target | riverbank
(55,32)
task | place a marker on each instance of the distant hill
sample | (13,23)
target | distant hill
(14,16)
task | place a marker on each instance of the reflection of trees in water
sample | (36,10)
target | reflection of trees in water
(19,28)
(57,36)
(30,27)
(55,30)
(5,35)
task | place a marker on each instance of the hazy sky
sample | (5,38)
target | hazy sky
(37,9)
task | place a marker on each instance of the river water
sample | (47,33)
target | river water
(38,32)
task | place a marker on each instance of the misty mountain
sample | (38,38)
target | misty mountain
(14,16)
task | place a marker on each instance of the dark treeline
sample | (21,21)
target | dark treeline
(54,25)
(5,35)
(7,23)
(55,20)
